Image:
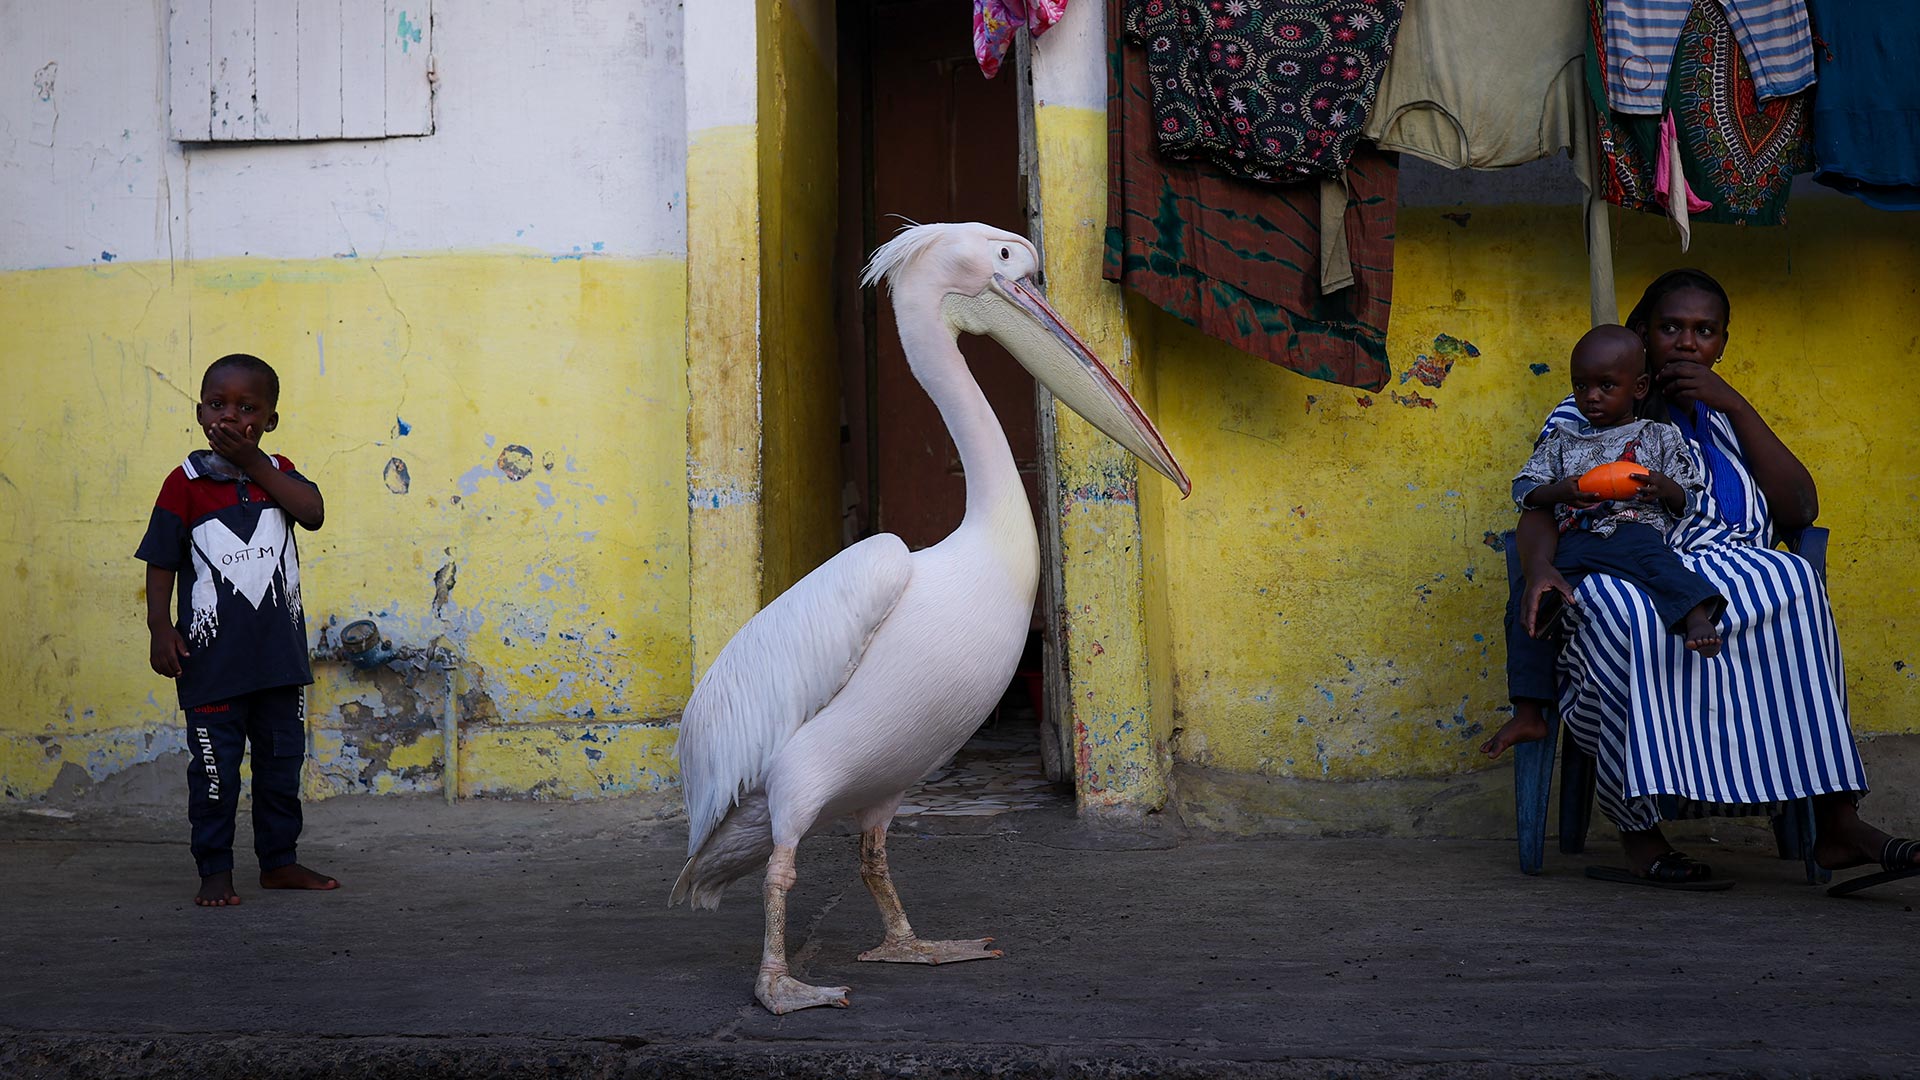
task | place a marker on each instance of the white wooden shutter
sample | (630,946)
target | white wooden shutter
(243,70)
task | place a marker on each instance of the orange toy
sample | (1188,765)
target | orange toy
(1614,480)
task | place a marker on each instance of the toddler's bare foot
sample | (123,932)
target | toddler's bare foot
(1702,636)
(295,876)
(1527,726)
(216,890)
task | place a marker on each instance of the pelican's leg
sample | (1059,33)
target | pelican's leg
(901,947)
(779,992)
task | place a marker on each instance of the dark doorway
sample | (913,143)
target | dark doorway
(925,137)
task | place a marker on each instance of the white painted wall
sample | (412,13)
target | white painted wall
(1070,59)
(560,129)
(722,64)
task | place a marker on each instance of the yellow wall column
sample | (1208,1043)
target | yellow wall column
(723,325)
(1115,711)
(799,212)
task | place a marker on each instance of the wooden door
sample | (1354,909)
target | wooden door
(923,137)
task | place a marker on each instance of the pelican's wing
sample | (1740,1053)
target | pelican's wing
(780,669)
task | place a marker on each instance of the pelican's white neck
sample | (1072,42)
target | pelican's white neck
(993,480)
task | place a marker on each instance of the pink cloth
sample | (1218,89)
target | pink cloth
(994,22)
(1665,168)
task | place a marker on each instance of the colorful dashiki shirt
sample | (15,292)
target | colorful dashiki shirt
(1737,153)
(1267,90)
(994,22)
(1236,259)
(1640,36)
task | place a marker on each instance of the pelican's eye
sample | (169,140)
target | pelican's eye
(1005,254)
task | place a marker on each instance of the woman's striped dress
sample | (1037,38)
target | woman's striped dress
(1763,722)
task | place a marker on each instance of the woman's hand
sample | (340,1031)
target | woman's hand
(1545,581)
(1685,380)
(1787,484)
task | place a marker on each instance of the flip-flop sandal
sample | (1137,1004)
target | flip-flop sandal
(1896,862)
(1671,870)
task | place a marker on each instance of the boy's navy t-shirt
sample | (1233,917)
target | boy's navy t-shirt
(238,601)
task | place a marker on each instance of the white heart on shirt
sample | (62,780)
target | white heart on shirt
(248,565)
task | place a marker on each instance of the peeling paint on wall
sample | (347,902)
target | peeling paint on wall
(544,623)
(516,462)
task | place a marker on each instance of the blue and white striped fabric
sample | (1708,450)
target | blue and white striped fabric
(1763,722)
(1640,36)
(1777,42)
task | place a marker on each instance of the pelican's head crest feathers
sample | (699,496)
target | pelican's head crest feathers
(950,257)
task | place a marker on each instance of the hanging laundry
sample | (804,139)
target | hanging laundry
(1489,84)
(1237,259)
(994,22)
(1484,84)
(1731,152)
(1642,36)
(1265,89)
(1866,117)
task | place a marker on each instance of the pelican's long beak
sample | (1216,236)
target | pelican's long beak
(1015,315)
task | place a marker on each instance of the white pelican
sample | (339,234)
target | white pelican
(874,669)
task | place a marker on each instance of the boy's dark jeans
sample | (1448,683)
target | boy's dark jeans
(1636,553)
(274,721)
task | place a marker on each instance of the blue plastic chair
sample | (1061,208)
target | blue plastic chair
(1793,829)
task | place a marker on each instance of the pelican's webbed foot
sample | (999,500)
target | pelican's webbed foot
(782,993)
(915,951)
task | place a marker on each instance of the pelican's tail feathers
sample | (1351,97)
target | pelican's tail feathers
(738,847)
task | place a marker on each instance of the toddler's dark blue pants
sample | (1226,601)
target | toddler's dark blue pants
(1636,553)
(274,721)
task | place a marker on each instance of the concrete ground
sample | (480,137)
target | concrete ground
(500,938)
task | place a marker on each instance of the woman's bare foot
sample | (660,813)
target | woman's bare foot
(216,890)
(1844,841)
(295,876)
(1529,724)
(1702,636)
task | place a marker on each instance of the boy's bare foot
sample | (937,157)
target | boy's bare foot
(295,876)
(1527,725)
(1702,636)
(216,890)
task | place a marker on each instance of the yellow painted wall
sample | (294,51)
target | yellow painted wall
(569,606)
(1334,609)
(723,385)
(800,410)
(1119,700)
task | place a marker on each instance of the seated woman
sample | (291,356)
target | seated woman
(1764,722)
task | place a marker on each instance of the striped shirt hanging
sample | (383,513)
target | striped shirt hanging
(1641,36)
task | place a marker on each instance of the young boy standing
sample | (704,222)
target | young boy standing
(237,651)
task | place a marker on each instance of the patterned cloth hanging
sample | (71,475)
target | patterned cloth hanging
(1238,260)
(1736,153)
(1265,89)
(994,22)
(1640,36)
